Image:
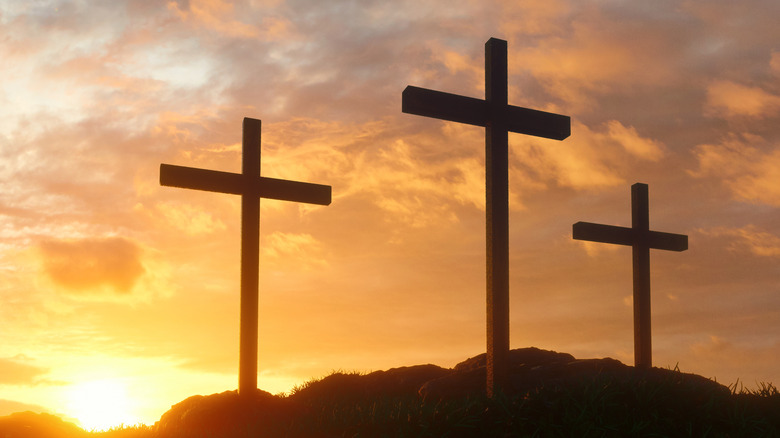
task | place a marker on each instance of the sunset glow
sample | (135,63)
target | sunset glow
(120,297)
(101,404)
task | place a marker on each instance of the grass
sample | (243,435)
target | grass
(596,408)
(601,406)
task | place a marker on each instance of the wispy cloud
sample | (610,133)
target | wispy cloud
(729,99)
(302,251)
(747,164)
(751,239)
(18,370)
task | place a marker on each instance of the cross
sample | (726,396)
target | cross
(251,186)
(499,118)
(641,239)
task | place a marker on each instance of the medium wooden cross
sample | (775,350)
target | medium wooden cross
(641,239)
(499,118)
(251,186)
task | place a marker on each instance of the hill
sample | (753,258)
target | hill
(550,394)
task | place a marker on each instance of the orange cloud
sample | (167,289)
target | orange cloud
(92,263)
(219,15)
(774,63)
(534,17)
(728,99)
(598,51)
(750,238)
(417,192)
(301,250)
(589,158)
(13,371)
(626,136)
(571,69)
(411,178)
(188,218)
(749,172)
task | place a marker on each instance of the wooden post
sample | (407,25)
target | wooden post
(250,260)
(497,217)
(640,251)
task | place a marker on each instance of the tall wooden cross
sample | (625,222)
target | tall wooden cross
(251,186)
(499,118)
(641,239)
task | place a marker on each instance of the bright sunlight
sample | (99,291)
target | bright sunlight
(101,404)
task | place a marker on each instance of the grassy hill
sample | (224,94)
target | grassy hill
(607,399)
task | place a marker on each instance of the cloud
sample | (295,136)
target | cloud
(749,238)
(733,157)
(419,179)
(419,191)
(186,217)
(14,371)
(299,250)
(747,165)
(585,52)
(589,158)
(774,63)
(219,16)
(534,17)
(92,263)
(643,148)
(730,99)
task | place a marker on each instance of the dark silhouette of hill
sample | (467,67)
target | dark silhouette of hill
(533,371)
(549,392)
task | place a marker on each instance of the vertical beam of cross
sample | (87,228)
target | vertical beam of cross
(250,260)
(251,186)
(640,255)
(499,118)
(497,216)
(641,239)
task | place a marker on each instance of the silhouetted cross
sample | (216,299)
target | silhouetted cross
(641,239)
(251,186)
(499,119)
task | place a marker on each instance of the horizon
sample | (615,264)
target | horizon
(119,292)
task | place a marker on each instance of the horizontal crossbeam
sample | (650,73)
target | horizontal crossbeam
(472,111)
(629,236)
(237,184)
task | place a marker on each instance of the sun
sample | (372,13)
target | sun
(100,404)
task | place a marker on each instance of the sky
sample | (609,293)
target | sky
(119,297)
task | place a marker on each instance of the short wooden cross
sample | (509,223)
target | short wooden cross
(498,118)
(641,239)
(251,186)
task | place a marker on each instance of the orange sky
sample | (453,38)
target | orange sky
(108,280)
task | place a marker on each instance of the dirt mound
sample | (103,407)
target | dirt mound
(531,369)
(224,413)
(395,382)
